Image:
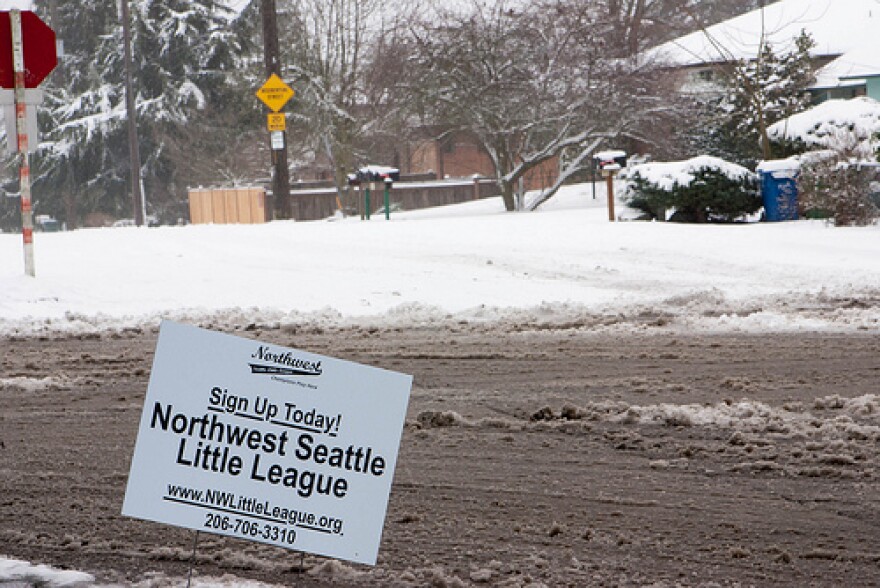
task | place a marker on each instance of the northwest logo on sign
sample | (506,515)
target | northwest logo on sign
(283,363)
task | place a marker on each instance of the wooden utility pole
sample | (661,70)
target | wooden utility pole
(68,193)
(272,56)
(134,153)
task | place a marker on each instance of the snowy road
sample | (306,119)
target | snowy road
(531,457)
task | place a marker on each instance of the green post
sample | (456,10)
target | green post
(387,201)
(367,202)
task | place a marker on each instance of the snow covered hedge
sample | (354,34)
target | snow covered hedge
(851,125)
(702,189)
(834,141)
(844,192)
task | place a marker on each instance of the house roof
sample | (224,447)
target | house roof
(851,68)
(863,62)
(837,26)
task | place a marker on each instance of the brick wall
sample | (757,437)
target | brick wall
(460,156)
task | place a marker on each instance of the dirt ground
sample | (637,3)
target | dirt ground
(530,457)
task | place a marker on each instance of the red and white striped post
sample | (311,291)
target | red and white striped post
(27,212)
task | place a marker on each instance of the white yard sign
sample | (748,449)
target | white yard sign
(267,443)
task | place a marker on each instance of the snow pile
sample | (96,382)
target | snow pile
(329,571)
(833,418)
(378,170)
(375,173)
(609,155)
(780,168)
(827,420)
(14,570)
(834,123)
(682,173)
(157,580)
(32,384)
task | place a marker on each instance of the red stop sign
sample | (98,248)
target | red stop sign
(40,56)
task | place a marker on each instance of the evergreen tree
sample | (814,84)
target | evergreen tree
(183,51)
(81,154)
(762,92)
(710,194)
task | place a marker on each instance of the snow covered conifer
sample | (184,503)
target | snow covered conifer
(183,52)
(762,92)
(701,189)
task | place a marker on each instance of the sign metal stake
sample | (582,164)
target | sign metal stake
(27,212)
(302,567)
(192,561)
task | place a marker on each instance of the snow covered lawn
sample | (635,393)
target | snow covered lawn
(464,262)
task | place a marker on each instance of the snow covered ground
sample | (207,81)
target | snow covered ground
(15,573)
(469,262)
(565,265)
(26,574)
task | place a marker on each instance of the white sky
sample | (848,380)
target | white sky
(467,262)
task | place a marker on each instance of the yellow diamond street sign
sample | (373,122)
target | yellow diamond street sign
(275,93)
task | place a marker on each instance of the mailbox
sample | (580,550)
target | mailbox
(613,160)
(376,173)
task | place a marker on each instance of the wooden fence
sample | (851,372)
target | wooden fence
(321,203)
(227,205)
(250,205)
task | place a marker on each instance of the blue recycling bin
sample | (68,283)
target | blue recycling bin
(779,190)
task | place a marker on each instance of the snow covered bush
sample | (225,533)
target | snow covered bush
(842,190)
(834,140)
(834,124)
(702,189)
